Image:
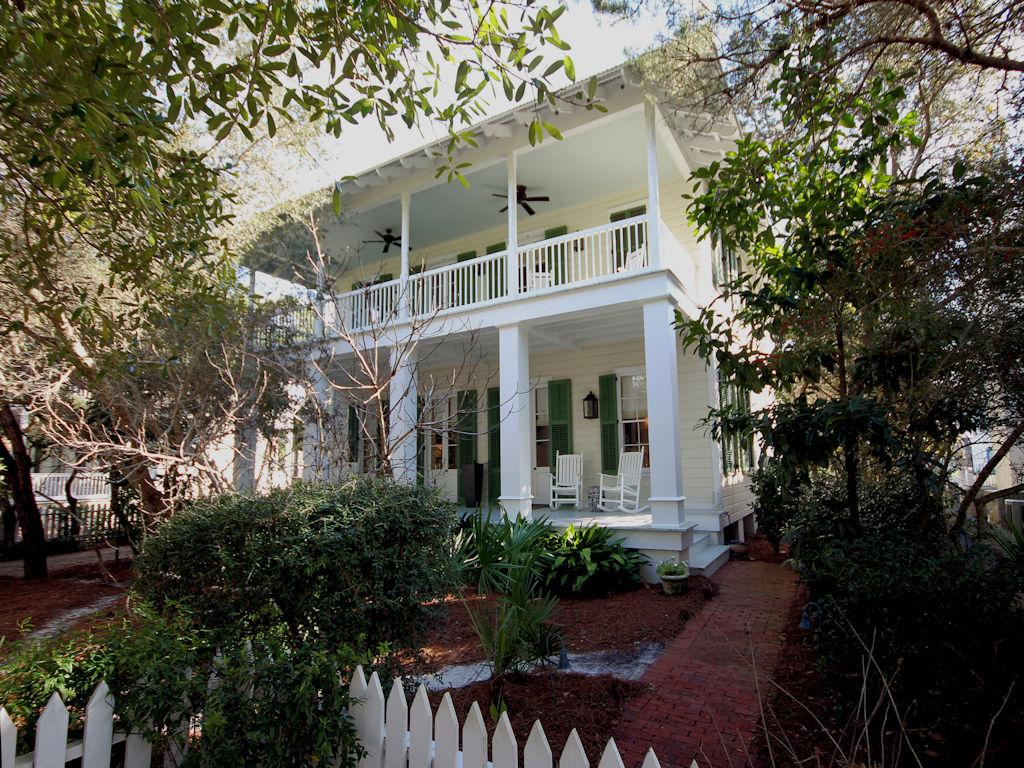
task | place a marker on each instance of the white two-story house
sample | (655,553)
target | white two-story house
(559,270)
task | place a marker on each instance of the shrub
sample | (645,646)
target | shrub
(777,499)
(942,625)
(262,702)
(486,548)
(346,564)
(589,561)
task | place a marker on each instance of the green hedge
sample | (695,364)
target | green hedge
(343,563)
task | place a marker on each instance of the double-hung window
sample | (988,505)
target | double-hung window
(542,436)
(443,428)
(633,414)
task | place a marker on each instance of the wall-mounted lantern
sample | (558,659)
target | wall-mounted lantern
(590,406)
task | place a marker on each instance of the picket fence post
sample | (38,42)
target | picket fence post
(8,739)
(52,734)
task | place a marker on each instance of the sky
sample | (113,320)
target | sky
(597,44)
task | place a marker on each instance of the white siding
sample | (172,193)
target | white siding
(583,369)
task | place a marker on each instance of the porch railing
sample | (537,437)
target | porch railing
(619,248)
(459,285)
(86,485)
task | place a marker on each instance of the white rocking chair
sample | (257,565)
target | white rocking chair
(621,492)
(567,480)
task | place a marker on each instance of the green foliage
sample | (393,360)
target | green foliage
(262,702)
(348,564)
(945,626)
(672,568)
(589,561)
(486,548)
(776,499)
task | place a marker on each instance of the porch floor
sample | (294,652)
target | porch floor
(563,517)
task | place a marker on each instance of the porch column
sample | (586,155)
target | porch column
(516,426)
(653,189)
(314,436)
(660,353)
(403,286)
(512,238)
(402,424)
(243,464)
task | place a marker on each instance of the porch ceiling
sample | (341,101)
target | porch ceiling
(605,158)
(568,333)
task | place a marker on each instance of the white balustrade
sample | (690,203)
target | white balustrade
(474,281)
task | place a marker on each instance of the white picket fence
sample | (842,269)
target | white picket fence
(393,733)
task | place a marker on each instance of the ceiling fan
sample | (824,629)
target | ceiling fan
(387,238)
(523,199)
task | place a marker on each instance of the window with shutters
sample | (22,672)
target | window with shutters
(633,414)
(737,446)
(542,436)
(442,429)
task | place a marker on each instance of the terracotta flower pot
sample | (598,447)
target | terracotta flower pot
(673,585)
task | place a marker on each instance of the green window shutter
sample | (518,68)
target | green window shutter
(495,247)
(560,416)
(357,285)
(624,243)
(608,407)
(384,278)
(725,401)
(559,255)
(466,451)
(493,444)
(466,256)
(353,434)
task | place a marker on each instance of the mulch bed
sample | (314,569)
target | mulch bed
(40,601)
(560,700)
(624,620)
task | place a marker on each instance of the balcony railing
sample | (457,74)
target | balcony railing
(619,248)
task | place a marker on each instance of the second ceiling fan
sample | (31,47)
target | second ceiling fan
(524,199)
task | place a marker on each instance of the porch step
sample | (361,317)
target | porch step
(705,558)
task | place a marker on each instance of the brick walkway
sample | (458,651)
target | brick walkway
(705,701)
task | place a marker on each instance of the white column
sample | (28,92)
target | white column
(402,422)
(516,425)
(653,189)
(243,465)
(660,354)
(512,238)
(315,451)
(403,296)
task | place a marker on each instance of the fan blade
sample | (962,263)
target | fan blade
(365,242)
(538,199)
(381,235)
(529,210)
(386,246)
(495,194)
(503,209)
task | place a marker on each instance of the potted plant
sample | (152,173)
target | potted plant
(673,576)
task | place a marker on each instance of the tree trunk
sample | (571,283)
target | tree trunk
(18,469)
(851,458)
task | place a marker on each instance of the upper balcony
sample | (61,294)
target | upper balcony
(606,252)
(598,209)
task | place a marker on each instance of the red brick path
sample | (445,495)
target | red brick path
(704,705)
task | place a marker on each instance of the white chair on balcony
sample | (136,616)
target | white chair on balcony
(621,492)
(635,260)
(567,480)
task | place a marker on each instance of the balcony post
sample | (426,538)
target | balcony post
(403,286)
(653,189)
(512,240)
(516,430)
(402,421)
(661,364)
